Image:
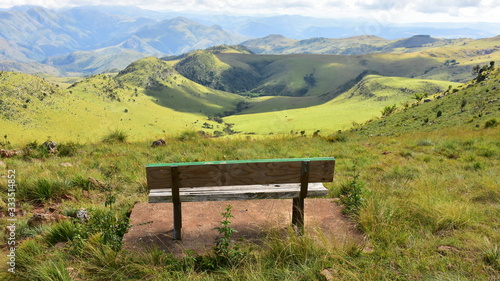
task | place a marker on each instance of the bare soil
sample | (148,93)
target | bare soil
(152,224)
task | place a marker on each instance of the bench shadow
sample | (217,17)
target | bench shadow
(152,225)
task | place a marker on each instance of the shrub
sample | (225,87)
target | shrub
(109,225)
(425,142)
(336,138)
(351,193)
(388,110)
(34,150)
(67,149)
(116,136)
(225,252)
(189,136)
(491,123)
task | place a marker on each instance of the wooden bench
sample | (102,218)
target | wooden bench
(239,180)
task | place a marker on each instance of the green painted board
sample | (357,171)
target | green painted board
(240,161)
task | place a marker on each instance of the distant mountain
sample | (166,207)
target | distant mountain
(358,45)
(181,35)
(111,59)
(90,39)
(31,34)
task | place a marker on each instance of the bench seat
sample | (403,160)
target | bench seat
(238,192)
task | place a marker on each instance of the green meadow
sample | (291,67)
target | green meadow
(427,204)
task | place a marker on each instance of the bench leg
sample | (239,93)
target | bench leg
(298,214)
(177,221)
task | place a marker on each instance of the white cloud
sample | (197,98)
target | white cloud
(393,10)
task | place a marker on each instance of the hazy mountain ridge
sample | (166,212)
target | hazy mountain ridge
(357,45)
(32,34)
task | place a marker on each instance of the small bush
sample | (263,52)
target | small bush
(35,151)
(67,149)
(109,225)
(336,138)
(224,250)
(351,194)
(116,136)
(491,123)
(189,136)
(425,142)
(388,110)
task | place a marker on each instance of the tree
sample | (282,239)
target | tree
(388,110)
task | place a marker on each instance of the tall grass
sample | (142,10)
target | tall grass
(425,215)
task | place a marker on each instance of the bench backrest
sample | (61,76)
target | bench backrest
(239,172)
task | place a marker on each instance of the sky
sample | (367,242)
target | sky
(391,11)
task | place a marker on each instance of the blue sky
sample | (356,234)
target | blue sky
(399,11)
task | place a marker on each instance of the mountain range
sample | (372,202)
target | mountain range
(96,39)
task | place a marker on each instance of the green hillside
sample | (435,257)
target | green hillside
(356,45)
(93,108)
(308,75)
(363,101)
(263,93)
(474,105)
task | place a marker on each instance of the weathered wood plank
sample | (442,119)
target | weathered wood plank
(225,193)
(240,173)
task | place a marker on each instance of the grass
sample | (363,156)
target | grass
(425,215)
(364,101)
(423,189)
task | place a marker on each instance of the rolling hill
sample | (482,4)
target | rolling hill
(229,89)
(357,45)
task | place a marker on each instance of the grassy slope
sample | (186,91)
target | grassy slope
(426,214)
(364,101)
(468,106)
(161,90)
(86,112)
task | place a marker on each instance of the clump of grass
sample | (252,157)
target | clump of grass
(63,231)
(339,137)
(33,150)
(115,136)
(41,190)
(425,142)
(68,149)
(491,123)
(491,255)
(189,136)
(29,253)
(50,270)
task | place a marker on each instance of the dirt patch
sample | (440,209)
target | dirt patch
(152,224)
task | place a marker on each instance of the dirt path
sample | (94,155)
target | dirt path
(152,223)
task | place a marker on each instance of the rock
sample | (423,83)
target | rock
(39,218)
(83,215)
(159,142)
(445,249)
(97,183)
(65,164)
(328,274)
(4,153)
(51,146)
